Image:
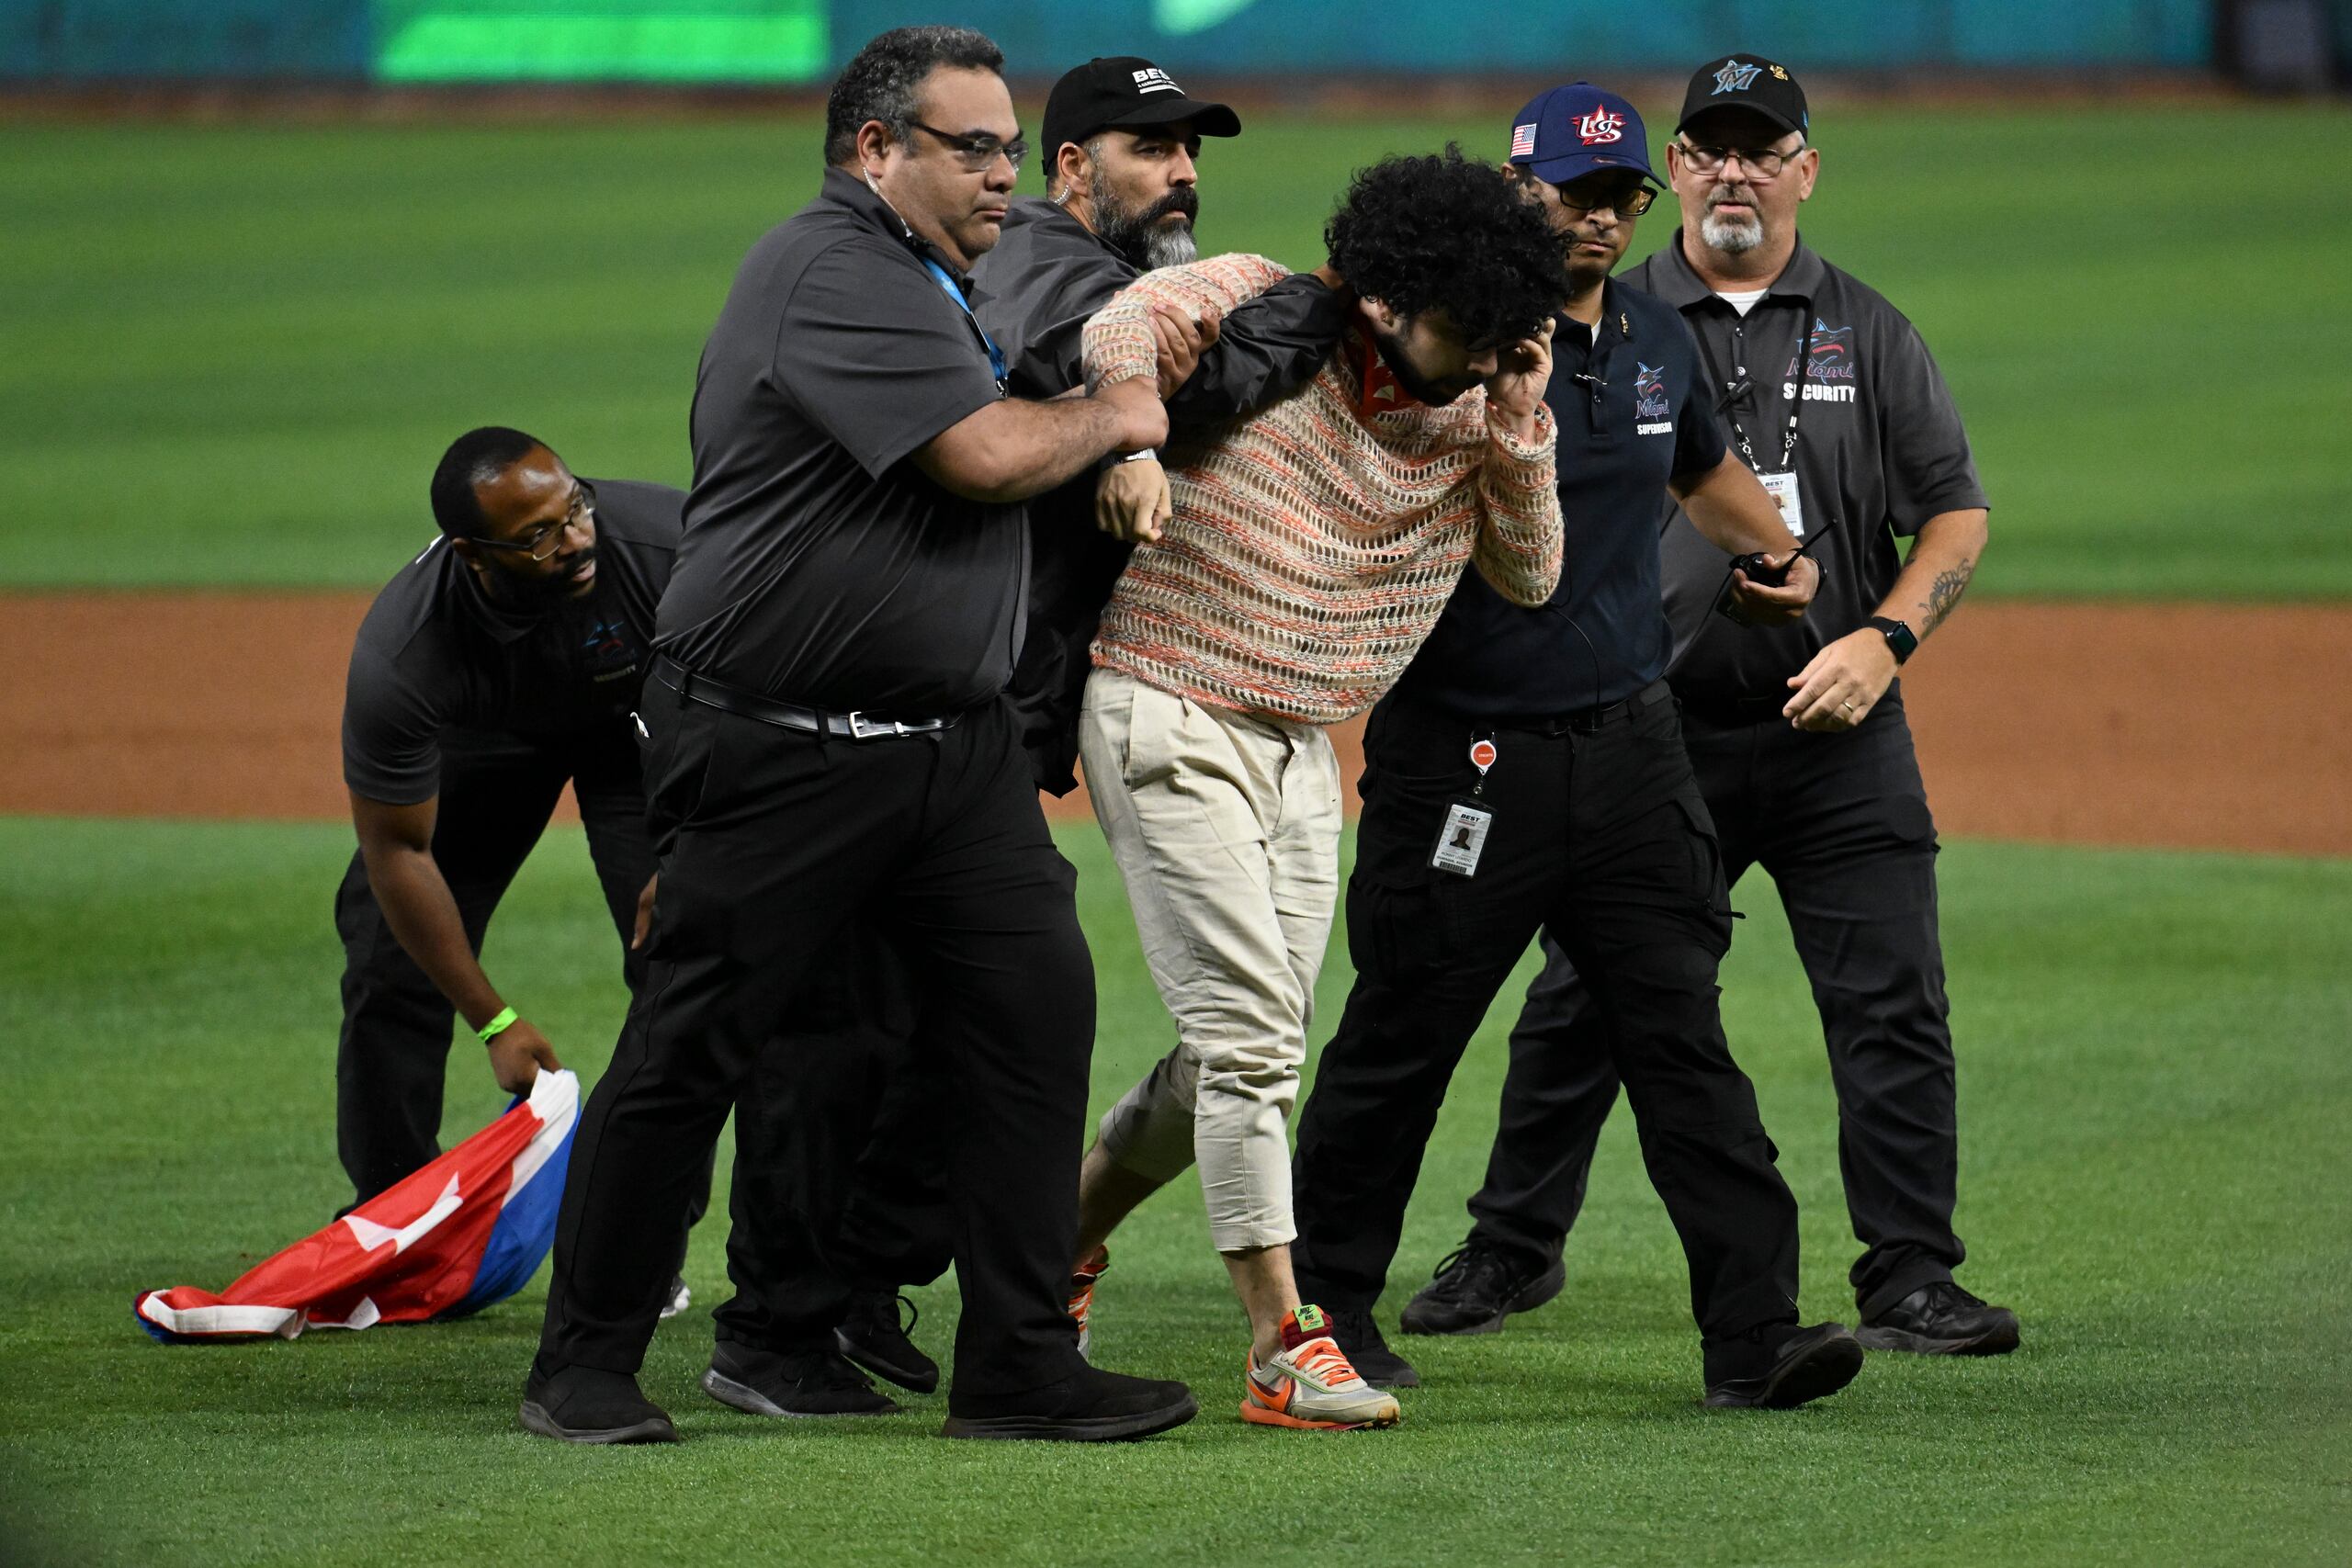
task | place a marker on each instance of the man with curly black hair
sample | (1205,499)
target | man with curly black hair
(1310,550)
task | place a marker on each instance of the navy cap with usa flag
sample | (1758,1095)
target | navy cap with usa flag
(1565,133)
(1746,81)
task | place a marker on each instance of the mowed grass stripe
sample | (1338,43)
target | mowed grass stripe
(235,352)
(2153,1088)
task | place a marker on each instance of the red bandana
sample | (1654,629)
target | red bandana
(1380,391)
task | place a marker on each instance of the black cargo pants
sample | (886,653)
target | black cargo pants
(840,1178)
(1840,823)
(1599,835)
(497,791)
(772,844)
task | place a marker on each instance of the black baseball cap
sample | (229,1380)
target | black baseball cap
(1746,82)
(1120,91)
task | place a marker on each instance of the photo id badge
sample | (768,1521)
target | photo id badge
(1463,839)
(1782,489)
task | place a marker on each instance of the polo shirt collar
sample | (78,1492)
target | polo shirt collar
(1679,285)
(505,623)
(847,190)
(1615,319)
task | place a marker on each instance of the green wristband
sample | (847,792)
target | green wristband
(490,1030)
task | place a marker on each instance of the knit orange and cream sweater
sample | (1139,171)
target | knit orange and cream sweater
(1314,544)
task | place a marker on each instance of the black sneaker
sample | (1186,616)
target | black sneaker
(1360,1338)
(1942,1319)
(871,1336)
(1794,1366)
(581,1405)
(1476,1287)
(791,1383)
(1091,1406)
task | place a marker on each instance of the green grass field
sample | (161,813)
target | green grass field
(234,353)
(2155,1088)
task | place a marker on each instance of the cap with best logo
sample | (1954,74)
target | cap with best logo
(1569,132)
(1120,92)
(1746,82)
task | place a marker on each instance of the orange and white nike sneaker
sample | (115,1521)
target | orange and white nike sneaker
(1082,1292)
(1312,1384)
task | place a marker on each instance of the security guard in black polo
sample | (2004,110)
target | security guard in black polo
(1528,771)
(1798,735)
(830,744)
(501,664)
(1120,140)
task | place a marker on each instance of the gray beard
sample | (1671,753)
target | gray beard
(1170,247)
(1732,236)
(1145,242)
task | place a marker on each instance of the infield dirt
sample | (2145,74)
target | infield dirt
(2178,725)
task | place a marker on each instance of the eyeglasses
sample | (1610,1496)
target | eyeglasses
(1625,200)
(1762,162)
(547,538)
(977,153)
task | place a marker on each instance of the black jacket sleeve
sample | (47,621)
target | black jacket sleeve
(1268,348)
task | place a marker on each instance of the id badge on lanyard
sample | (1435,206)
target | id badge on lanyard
(1469,820)
(1782,488)
(1780,482)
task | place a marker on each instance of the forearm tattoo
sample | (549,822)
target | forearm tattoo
(1945,591)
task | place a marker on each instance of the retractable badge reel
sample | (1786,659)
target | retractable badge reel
(1468,819)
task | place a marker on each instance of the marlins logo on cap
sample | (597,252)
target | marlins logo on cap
(1752,82)
(1736,77)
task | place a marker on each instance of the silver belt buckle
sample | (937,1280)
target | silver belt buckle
(863,728)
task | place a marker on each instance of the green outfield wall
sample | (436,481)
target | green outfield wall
(789,41)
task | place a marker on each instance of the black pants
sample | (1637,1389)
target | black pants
(1840,823)
(770,844)
(1602,837)
(851,1193)
(497,793)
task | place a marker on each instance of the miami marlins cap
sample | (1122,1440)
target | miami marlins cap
(1569,132)
(1122,91)
(1746,82)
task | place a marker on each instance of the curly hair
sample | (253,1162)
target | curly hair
(1445,232)
(882,80)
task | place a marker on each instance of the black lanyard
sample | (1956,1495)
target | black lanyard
(1733,390)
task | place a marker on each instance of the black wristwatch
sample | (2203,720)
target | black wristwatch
(1898,636)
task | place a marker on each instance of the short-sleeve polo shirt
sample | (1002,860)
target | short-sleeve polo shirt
(436,654)
(820,565)
(1880,449)
(1630,402)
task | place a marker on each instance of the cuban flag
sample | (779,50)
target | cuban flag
(468,1230)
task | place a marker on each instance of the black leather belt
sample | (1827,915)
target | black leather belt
(854,726)
(1584,721)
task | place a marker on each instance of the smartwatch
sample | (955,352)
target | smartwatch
(1899,637)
